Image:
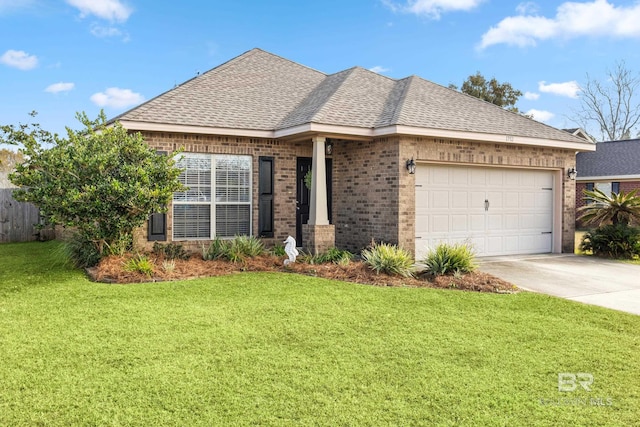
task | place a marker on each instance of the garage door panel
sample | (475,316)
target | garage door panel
(459,223)
(459,199)
(439,224)
(440,199)
(477,222)
(450,207)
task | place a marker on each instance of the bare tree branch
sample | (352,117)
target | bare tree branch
(611,106)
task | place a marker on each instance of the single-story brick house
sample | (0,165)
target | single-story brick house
(612,168)
(402,161)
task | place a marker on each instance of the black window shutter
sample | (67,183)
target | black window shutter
(157,222)
(157,227)
(589,186)
(265,196)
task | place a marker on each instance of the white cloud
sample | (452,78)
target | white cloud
(379,69)
(432,8)
(592,19)
(115,97)
(111,10)
(59,87)
(568,89)
(527,8)
(540,115)
(19,59)
(531,96)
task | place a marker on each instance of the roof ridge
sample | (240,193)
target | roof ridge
(400,105)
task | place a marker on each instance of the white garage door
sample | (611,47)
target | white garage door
(498,211)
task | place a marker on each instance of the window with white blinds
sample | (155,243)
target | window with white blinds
(218,200)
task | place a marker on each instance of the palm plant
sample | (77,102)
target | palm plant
(616,208)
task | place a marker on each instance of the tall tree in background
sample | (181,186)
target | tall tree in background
(612,106)
(500,94)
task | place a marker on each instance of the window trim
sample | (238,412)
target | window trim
(212,203)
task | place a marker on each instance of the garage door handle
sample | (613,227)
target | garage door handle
(486,205)
(547,232)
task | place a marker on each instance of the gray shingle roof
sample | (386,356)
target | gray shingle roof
(261,91)
(614,158)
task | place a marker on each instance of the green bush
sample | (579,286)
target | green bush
(332,255)
(216,250)
(81,252)
(170,251)
(235,250)
(450,259)
(278,250)
(140,264)
(612,241)
(390,259)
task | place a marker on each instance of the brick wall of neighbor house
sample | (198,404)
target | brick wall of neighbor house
(625,186)
(284,153)
(580,187)
(365,192)
(484,154)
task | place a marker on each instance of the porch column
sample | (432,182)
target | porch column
(318,234)
(318,208)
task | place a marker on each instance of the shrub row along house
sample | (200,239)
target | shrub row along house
(402,161)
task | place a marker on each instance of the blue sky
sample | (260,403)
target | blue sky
(62,56)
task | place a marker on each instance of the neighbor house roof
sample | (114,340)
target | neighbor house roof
(261,94)
(614,159)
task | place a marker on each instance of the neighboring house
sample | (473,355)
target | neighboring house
(252,128)
(612,168)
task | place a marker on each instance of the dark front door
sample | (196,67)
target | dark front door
(303,194)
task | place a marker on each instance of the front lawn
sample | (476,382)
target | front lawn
(285,349)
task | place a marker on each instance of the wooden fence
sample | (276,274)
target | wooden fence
(17,219)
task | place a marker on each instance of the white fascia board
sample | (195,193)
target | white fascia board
(317,128)
(614,178)
(484,137)
(161,127)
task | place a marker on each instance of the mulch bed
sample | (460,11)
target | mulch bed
(111,270)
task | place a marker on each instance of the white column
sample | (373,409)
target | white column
(318,210)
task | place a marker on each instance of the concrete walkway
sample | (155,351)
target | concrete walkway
(590,280)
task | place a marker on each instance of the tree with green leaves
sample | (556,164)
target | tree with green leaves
(101,180)
(615,208)
(500,94)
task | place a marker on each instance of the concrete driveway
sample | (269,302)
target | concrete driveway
(590,280)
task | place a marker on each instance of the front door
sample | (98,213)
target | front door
(303,194)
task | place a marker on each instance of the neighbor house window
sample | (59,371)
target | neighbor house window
(218,201)
(615,187)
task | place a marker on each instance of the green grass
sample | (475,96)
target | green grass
(283,349)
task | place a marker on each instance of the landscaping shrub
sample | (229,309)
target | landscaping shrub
(234,250)
(81,252)
(612,241)
(332,255)
(450,259)
(170,251)
(278,250)
(216,250)
(140,264)
(390,259)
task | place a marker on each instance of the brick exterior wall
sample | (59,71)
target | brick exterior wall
(285,154)
(366,183)
(373,194)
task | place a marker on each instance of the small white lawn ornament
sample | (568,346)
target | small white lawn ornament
(290,249)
